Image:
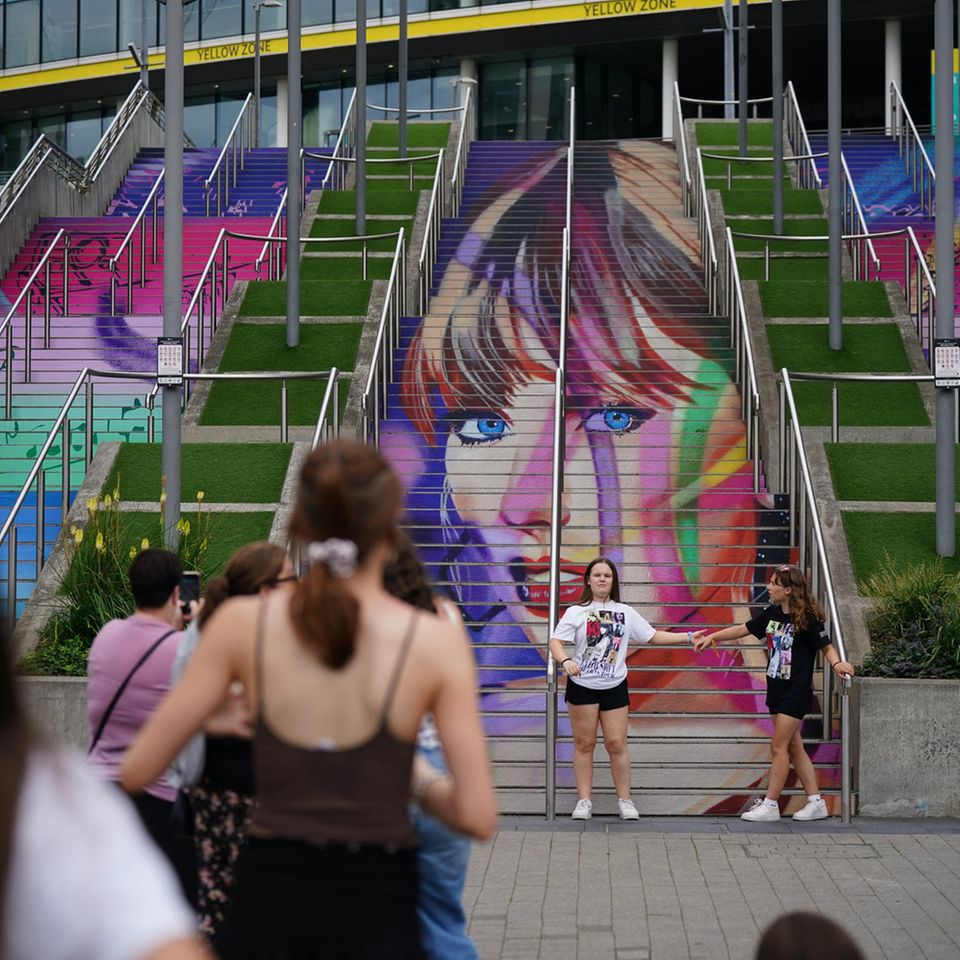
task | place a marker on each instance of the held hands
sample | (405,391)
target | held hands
(702,640)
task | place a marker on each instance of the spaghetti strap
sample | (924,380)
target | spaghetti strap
(395,679)
(258,655)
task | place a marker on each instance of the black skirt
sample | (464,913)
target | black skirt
(298,901)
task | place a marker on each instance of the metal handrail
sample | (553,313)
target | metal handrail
(923,296)
(346,141)
(373,403)
(805,521)
(725,103)
(680,135)
(864,255)
(25,296)
(274,269)
(734,158)
(225,169)
(460,157)
(412,112)
(708,249)
(910,146)
(127,244)
(328,420)
(808,177)
(431,236)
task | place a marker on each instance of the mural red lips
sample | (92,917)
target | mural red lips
(534,591)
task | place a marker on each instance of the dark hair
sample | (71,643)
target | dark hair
(14,741)
(347,491)
(806,936)
(803,605)
(587,595)
(253,566)
(153,575)
(404,576)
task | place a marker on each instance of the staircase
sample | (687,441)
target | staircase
(655,472)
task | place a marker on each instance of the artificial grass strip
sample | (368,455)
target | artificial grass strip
(387,134)
(225,472)
(907,539)
(714,167)
(724,133)
(744,181)
(348,228)
(263,347)
(791,228)
(343,268)
(798,298)
(872,471)
(785,268)
(874,348)
(342,298)
(759,202)
(378,201)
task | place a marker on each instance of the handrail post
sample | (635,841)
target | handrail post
(65,468)
(46,305)
(8,375)
(88,443)
(834,413)
(28,338)
(284,426)
(11,580)
(130,277)
(66,274)
(41,519)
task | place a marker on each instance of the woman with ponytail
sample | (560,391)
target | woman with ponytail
(218,766)
(338,675)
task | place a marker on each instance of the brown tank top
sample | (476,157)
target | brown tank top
(357,795)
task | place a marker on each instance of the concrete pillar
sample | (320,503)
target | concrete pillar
(468,72)
(668,79)
(281,112)
(891,68)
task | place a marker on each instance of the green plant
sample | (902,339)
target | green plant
(915,626)
(95,588)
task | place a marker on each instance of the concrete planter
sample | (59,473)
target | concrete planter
(909,755)
(57,708)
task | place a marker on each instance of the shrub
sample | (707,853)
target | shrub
(915,627)
(95,588)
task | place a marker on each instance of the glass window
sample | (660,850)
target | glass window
(503,101)
(130,23)
(53,127)
(271,18)
(228,109)
(444,91)
(23,32)
(83,134)
(59,32)
(317,12)
(16,138)
(199,120)
(191,21)
(220,18)
(98,27)
(548,83)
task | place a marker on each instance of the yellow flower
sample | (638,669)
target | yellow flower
(107,500)
(144,544)
(163,498)
(92,505)
(116,491)
(133,553)
(100,545)
(77,535)
(184,527)
(200,496)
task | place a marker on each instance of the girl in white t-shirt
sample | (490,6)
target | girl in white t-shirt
(601,627)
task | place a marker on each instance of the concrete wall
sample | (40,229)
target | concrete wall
(57,708)
(908,760)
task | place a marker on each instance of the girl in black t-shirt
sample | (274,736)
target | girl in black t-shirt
(793,628)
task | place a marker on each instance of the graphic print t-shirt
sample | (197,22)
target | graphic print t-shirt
(600,633)
(792,654)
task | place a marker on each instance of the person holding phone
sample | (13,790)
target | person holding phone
(128,674)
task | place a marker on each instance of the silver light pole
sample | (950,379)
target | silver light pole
(835,192)
(729,90)
(144,45)
(361,108)
(776,29)
(402,81)
(294,142)
(257,7)
(744,27)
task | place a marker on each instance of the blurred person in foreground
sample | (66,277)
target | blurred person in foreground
(806,936)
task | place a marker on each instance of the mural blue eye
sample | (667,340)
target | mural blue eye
(481,428)
(616,419)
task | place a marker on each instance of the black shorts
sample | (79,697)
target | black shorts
(793,699)
(612,699)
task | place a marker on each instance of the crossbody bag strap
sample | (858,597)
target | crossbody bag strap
(123,686)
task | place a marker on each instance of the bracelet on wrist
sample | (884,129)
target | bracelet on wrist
(565,660)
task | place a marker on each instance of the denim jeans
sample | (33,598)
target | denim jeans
(442,864)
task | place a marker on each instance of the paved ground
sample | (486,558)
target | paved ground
(696,889)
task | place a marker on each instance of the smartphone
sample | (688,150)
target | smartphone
(189,589)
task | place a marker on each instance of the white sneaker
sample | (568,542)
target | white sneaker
(627,810)
(812,810)
(761,812)
(583,810)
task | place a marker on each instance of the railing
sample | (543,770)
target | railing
(460,157)
(911,148)
(374,402)
(224,173)
(344,149)
(754,104)
(327,422)
(153,199)
(854,222)
(731,159)
(708,249)
(683,158)
(806,531)
(412,112)
(26,298)
(271,251)
(431,236)
(807,176)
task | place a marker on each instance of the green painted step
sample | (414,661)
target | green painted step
(318,298)
(386,134)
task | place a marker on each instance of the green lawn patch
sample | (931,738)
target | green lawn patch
(759,202)
(714,167)
(798,298)
(262,347)
(907,538)
(225,472)
(742,180)
(386,134)
(785,268)
(884,471)
(724,133)
(348,228)
(343,268)
(791,228)
(874,348)
(343,298)
(378,201)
